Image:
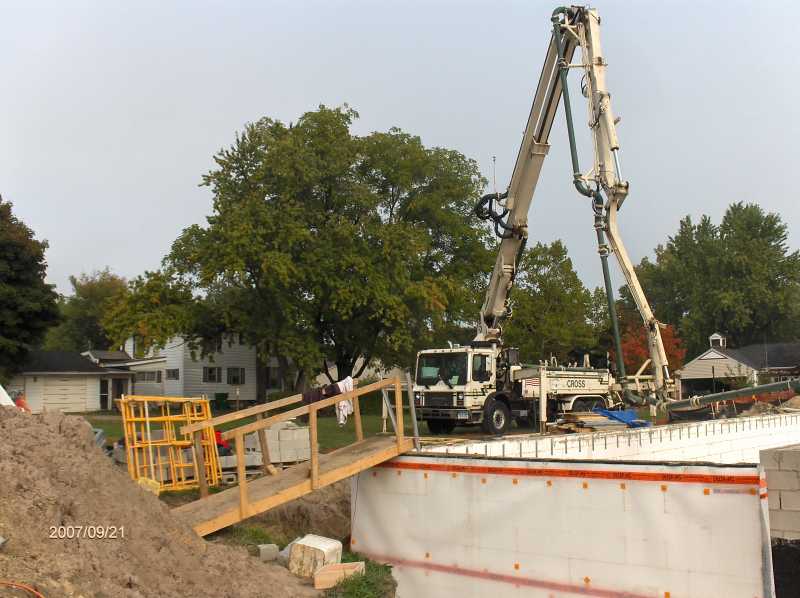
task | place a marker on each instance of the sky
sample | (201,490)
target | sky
(111,112)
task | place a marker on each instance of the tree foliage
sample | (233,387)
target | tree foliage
(82,312)
(327,246)
(553,313)
(738,278)
(28,305)
(635,347)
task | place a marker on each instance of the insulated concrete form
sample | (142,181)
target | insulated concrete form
(736,440)
(678,510)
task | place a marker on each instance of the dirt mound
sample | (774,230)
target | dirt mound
(51,474)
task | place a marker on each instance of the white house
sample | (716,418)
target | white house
(720,368)
(176,370)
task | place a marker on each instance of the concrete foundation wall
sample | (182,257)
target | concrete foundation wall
(475,527)
(782,469)
(722,441)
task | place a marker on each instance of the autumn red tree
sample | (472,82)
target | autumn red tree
(634,345)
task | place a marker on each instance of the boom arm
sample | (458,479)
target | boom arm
(516,201)
(573,27)
(606,175)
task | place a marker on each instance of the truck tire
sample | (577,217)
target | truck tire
(496,417)
(440,426)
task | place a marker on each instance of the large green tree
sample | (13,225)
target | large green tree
(328,247)
(83,311)
(28,305)
(738,278)
(553,313)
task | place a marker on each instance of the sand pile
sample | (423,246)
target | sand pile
(51,474)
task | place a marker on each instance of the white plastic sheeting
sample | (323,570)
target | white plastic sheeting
(476,527)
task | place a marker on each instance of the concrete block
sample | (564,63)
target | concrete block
(789,459)
(782,480)
(283,555)
(774,498)
(769,459)
(268,552)
(788,521)
(311,553)
(790,500)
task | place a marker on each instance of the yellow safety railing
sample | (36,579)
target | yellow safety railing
(156,448)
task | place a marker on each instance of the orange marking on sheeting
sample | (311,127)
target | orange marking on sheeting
(583,590)
(597,474)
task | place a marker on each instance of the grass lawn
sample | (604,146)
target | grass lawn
(330,434)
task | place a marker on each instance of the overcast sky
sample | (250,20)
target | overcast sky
(110,112)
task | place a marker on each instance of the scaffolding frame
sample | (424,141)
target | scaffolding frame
(155,448)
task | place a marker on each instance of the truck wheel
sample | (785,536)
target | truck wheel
(435,426)
(496,418)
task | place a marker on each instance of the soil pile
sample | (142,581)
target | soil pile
(51,474)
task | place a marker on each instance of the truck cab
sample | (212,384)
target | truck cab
(451,385)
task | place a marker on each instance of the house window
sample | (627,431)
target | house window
(173,374)
(212,375)
(274,377)
(152,376)
(235,376)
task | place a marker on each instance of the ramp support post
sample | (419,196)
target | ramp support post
(241,474)
(200,463)
(312,432)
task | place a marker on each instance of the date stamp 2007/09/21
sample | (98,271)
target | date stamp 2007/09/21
(89,532)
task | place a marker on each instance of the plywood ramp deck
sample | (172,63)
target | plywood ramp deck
(220,510)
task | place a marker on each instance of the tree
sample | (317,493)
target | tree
(635,347)
(326,247)
(738,278)
(82,313)
(553,312)
(28,305)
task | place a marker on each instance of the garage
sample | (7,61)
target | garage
(59,381)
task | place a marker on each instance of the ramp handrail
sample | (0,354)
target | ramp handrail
(260,425)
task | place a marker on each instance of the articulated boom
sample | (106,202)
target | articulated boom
(573,27)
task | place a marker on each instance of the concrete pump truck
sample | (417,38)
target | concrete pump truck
(486,383)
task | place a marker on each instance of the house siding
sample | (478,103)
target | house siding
(723,367)
(152,389)
(232,355)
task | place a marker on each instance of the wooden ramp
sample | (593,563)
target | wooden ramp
(223,509)
(251,497)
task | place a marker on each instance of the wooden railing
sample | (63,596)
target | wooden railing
(263,422)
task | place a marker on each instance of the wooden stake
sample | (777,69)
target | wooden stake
(312,431)
(200,463)
(241,474)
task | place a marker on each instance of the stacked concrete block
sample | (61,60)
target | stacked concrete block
(782,467)
(287,442)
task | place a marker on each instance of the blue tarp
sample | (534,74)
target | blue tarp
(627,417)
